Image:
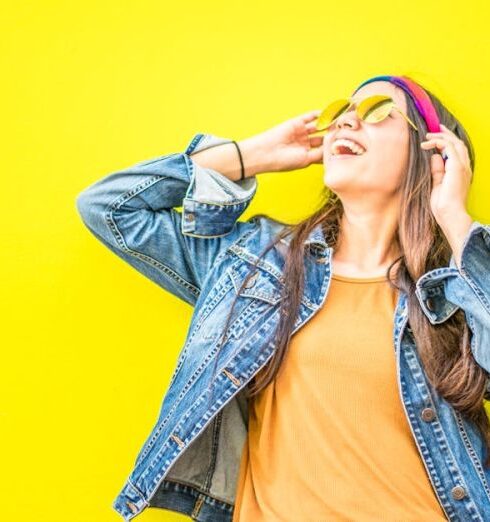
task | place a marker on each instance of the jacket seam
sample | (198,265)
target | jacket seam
(158,429)
(483,230)
(470,450)
(476,289)
(188,385)
(219,405)
(120,239)
(198,490)
(212,464)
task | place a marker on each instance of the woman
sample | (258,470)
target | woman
(308,417)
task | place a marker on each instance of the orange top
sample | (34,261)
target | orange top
(328,439)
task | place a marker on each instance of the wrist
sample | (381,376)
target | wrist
(455,227)
(454,220)
(255,157)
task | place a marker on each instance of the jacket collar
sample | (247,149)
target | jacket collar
(316,237)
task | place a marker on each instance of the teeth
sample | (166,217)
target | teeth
(346,143)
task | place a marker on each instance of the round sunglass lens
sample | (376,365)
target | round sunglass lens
(333,111)
(375,108)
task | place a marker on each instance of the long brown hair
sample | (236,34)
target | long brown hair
(444,348)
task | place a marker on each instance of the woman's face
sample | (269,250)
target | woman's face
(381,168)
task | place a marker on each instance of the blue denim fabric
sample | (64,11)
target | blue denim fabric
(190,460)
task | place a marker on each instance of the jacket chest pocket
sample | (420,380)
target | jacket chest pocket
(259,295)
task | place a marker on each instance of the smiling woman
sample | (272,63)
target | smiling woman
(396,175)
(356,342)
(376,219)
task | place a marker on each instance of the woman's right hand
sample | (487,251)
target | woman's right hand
(290,144)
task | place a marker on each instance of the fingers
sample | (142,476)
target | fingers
(310,116)
(445,148)
(316,141)
(437,169)
(311,127)
(459,147)
(315,155)
(451,149)
(458,143)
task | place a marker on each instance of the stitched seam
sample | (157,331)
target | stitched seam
(240,252)
(466,276)
(225,251)
(471,451)
(220,403)
(478,292)
(212,466)
(238,203)
(138,490)
(179,399)
(119,237)
(207,308)
(193,489)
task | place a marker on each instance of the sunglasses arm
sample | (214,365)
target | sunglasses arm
(407,118)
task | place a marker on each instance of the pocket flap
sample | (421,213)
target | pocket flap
(261,284)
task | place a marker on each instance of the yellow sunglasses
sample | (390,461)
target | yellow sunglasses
(372,109)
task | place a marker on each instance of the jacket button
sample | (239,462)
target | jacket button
(190,216)
(428,414)
(429,302)
(458,492)
(251,281)
(132,507)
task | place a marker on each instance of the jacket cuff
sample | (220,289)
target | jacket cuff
(441,291)
(431,294)
(475,262)
(212,203)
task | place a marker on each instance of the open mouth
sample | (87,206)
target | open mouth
(344,148)
(341,154)
(344,156)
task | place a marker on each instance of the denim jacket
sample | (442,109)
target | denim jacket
(190,460)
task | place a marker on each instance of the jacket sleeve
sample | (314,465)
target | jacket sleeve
(443,290)
(133,212)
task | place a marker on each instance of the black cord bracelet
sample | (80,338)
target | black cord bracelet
(241,160)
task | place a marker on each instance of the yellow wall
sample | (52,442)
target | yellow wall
(91,87)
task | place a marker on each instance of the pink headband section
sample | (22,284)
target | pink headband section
(419,96)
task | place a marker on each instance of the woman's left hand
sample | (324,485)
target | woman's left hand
(450,187)
(450,180)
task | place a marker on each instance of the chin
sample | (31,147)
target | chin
(337,181)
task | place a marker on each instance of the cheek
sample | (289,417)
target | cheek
(397,152)
(399,159)
(388,165)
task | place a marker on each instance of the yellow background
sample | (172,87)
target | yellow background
(91,87)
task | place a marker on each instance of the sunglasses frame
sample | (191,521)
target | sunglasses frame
(351,103)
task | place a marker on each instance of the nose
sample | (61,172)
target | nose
(348,118)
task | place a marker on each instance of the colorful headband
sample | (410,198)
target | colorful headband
(419,96)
